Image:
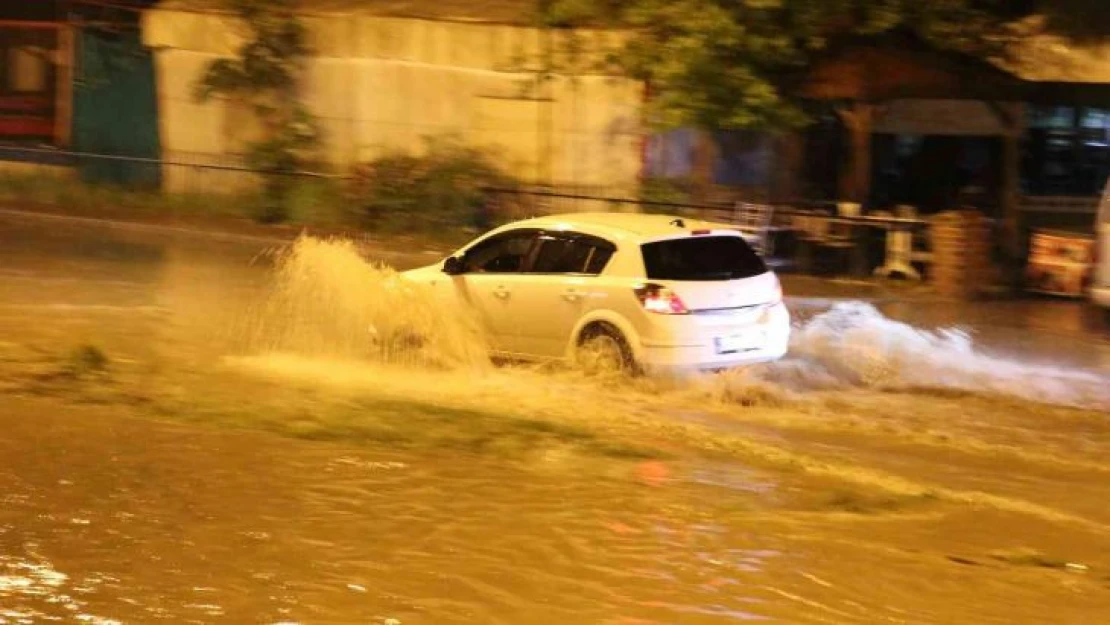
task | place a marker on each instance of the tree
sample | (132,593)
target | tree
(732,63)
(1079,20)
(265,74)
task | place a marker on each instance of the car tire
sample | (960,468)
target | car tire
(603,350)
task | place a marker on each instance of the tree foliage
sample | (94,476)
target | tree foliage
(265,74)
(269,59)
(732,63)
(446,186)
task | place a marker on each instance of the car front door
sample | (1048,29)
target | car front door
(489,282)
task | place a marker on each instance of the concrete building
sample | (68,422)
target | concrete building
(384,76)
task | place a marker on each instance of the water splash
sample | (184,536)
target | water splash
(855,345)
(327,301)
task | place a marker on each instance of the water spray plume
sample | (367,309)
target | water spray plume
(854,345)
(328,302)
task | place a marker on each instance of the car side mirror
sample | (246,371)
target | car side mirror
(453,266)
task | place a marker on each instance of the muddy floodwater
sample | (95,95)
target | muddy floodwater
(199,429)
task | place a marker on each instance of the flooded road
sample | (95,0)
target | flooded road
(154,470)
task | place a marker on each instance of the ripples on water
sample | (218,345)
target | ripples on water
(210,526)
(315,534)
(31,591)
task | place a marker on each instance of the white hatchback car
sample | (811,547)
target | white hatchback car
(642,291)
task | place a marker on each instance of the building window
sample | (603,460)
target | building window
(1052,117)
(27,83)
(1067,150)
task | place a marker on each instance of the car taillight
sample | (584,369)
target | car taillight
(659,299)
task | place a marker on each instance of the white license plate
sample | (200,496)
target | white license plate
(739,342)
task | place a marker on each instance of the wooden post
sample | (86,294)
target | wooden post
(855,178)
(1009,190)
(63,75)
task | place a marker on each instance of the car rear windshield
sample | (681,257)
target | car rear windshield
(702,258)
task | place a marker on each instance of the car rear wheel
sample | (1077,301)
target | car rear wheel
(602,350)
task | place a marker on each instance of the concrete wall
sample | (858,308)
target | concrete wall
(381,84)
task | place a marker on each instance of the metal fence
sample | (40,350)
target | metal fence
(526,201)
(185,173)
(231,175)
(228,175)
(523,202)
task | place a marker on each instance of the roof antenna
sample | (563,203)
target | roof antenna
(678,223)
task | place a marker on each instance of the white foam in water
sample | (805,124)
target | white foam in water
(853,344)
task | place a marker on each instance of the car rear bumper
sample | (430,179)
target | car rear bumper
(701,352)
(701,358)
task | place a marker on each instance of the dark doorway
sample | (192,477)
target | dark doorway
(936,173)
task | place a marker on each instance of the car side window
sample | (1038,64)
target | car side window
(571,253)
(596,263)
(505,253)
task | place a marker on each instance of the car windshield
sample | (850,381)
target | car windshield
(702,258)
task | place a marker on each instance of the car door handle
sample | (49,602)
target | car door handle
(572,295)
(501,293)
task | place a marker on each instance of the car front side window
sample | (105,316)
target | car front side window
(505,253)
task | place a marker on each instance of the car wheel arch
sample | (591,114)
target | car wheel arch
(605,318)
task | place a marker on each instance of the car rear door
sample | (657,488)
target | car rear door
(560,287)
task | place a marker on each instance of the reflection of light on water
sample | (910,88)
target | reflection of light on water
(39,583)
(30,579)
(210,609)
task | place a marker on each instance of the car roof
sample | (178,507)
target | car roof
(624,225)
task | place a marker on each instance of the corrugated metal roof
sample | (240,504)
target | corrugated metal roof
(493,11)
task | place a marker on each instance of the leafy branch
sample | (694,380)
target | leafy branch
(733,63)
(265,75)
